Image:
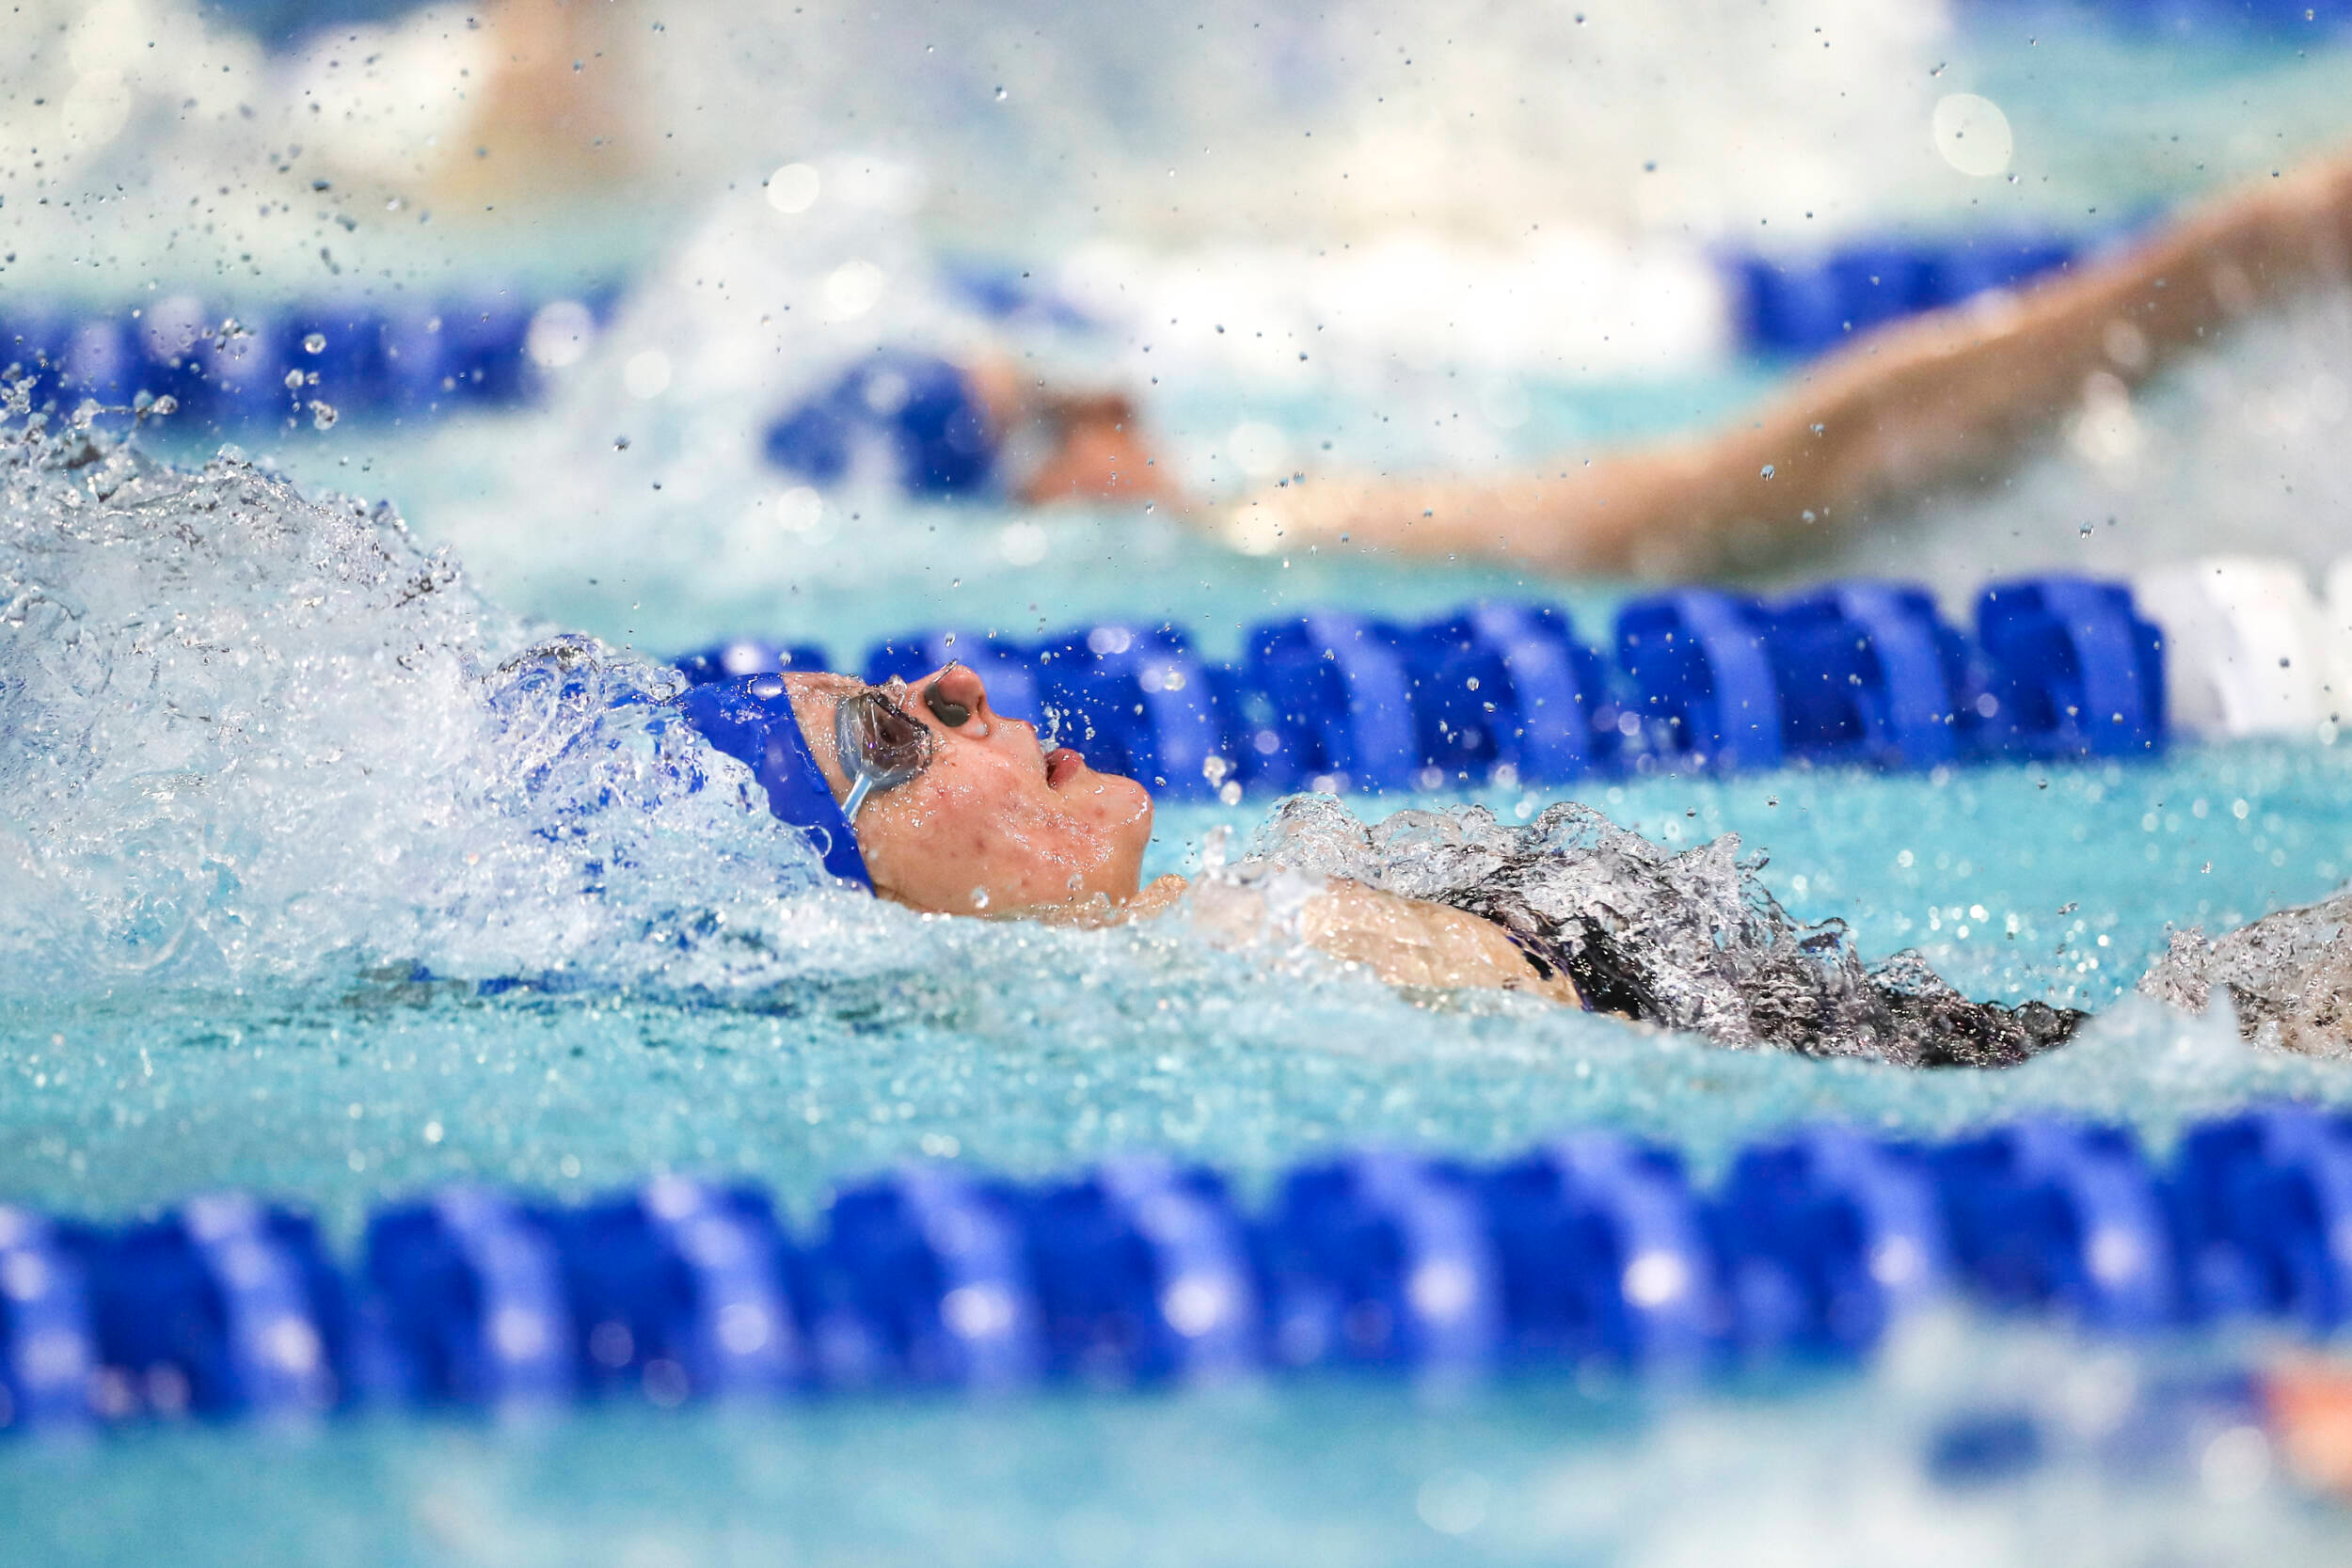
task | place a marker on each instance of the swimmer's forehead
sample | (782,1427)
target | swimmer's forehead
(815,694)
(819,690)
(821,686)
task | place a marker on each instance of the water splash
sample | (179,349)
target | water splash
(1690,939)
(2287,976)
(250,734)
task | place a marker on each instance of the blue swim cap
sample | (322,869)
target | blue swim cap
(751,719)
(923,409)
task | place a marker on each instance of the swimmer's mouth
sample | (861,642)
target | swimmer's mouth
(1062,763)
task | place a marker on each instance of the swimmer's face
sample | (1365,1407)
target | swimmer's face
(995,825)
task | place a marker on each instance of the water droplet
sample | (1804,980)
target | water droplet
(793,188)
(1000,95)
(979,898)
(314,343)
(1768,470)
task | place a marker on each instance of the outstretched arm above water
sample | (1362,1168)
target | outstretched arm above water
(1951,397)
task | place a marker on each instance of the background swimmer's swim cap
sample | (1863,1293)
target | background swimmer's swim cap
(752,721)
(921,409)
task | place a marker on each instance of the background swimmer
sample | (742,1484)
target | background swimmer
(931,797)
(1952,399)
(936,426)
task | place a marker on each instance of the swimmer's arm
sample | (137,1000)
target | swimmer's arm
(1406,942)
(1945,398)
(2309,1402)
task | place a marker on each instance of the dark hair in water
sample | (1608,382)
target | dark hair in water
(1690,941)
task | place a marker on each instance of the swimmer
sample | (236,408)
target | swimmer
(944,428)
(923,795)
(1950,399)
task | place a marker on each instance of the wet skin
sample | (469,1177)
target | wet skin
(995,824)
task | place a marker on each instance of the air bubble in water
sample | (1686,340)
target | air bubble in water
(979,898)
(322,415)
(293,378)
(314,343)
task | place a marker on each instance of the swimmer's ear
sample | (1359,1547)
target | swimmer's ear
(1100,406)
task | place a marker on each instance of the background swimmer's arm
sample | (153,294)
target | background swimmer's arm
(1084,445)
(1405,941)
(1944,398)
(2310,1405)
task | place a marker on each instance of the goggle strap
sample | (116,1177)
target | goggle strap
(859,790)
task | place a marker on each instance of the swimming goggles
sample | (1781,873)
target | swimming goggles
(881,745)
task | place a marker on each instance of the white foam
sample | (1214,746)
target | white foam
(1570,303)
(254,734)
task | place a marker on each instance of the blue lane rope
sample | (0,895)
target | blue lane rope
(1591,1249)
(230,368)
(1847,673)
(2275,19)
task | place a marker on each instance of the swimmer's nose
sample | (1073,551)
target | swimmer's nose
(955,695)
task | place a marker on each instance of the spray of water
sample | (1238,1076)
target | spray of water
(2288,975)
(247,733)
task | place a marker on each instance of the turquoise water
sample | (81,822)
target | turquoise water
(1826,1472)
(1027,1049)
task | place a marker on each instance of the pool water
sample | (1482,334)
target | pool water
(221,981)
(277,804)
(1031,1050)
(1330,1474)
